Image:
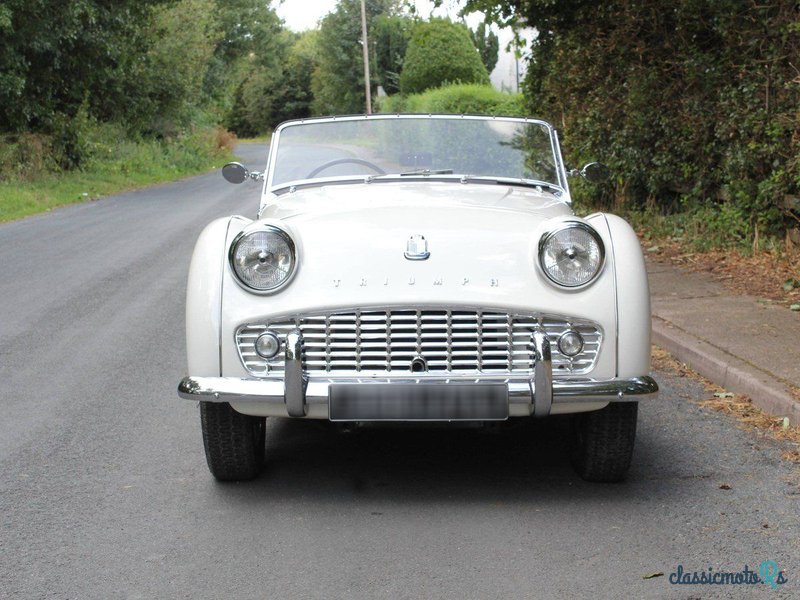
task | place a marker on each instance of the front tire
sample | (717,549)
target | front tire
(603,442)
(234,442)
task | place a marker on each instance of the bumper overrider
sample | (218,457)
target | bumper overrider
(296,392)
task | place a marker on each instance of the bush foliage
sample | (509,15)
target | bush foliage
(459,99)
(440,52)
(275,90)
(54,55)
(69,68)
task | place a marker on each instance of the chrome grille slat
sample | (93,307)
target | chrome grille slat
(479,336)
(451,341)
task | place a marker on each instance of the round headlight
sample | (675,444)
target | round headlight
(572,255)
(263,259)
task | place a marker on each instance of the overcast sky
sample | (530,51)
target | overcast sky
(305,14)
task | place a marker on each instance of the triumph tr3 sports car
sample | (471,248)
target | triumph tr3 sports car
(417,268)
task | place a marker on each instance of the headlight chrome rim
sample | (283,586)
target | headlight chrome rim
(564,225)
(262,227)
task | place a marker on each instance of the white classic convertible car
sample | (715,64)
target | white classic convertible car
(417,268)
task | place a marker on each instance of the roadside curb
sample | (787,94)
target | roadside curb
(731,372)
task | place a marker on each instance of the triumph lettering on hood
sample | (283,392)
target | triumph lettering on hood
(412,280)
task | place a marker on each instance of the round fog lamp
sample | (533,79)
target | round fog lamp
(268,345)
(570,343)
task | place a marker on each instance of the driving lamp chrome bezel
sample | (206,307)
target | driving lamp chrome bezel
(561,344)
(278,344)
(257,229)
(564,225)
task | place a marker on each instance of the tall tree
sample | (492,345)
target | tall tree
(338,80)
(170,75)
(488,45)
(56,54)
(294,95)
(251,39)
(390,37)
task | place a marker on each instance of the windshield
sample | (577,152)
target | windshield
(411,146)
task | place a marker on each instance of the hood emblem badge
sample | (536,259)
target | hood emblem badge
(417,248)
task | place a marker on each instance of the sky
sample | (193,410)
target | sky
(305,14)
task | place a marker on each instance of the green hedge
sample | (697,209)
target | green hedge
(693,105)
(460,99)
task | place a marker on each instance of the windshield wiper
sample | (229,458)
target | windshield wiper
(415,172)
(553,188)
(535,183)
(427,172)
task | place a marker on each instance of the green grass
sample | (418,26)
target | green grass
(115,166)
(259,139)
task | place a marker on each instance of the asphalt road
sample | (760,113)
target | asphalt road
(104,491)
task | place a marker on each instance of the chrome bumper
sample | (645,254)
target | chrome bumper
(296,392)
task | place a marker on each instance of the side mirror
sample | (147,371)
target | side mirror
(595,172)
(235,172)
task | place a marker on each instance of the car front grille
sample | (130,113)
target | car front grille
(439,342)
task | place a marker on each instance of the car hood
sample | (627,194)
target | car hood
(482,241)
(360,234)
(416,200)
(351,243)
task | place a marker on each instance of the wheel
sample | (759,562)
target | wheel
(343,161)
(603,442)
(234,442)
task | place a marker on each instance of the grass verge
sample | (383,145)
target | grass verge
(773,275)
(115,165)
(740,407)
(260,139)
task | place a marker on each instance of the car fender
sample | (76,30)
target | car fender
(204,299)
(632,299)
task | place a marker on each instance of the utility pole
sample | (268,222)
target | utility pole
(366,56)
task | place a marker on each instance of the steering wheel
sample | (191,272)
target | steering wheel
(341,161)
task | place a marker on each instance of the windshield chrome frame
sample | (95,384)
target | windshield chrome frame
(270,190)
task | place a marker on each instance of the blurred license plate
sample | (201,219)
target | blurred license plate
(418,402)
